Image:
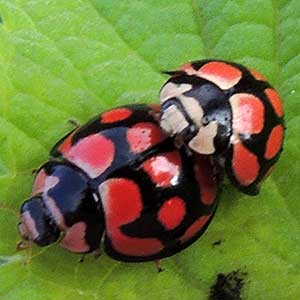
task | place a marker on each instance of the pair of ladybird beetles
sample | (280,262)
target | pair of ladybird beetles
(146,176)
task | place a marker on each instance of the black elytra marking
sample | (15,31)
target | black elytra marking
(123,155)
(153,197)
(256,143)
(140,113)
(172,248)
(94,232)
(185,189)
(228,286)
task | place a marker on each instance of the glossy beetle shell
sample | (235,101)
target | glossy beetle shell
(121,176)
(229,112)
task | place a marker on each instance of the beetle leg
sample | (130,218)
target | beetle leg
(97,253)
(74,123)
(23,245)
(158,265)
(81,260)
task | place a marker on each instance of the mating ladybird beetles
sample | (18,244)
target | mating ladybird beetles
(120,176)
(228,111)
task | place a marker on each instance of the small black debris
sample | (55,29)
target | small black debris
(228,286)
(217,243)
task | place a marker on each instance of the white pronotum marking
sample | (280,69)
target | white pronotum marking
(171,90)
(193,109)
(173,121)
(203,142)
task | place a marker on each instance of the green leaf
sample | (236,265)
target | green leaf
(62,60)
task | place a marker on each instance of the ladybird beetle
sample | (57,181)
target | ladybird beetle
(228,111)
(120,176)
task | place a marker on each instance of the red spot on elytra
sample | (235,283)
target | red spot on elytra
(257,75)
(205,176)
(220,73)
(93,154)
(123,204)
(39,183)
(143,136)
(276,101)
(186,67)
(67,144)
(194,228)
(74,239)
(122,201)
(164,169)
(116,115)
(172,213)
(245,164)
(248,113)
(275,141)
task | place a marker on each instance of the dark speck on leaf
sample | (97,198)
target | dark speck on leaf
(228,286)
(217,243)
